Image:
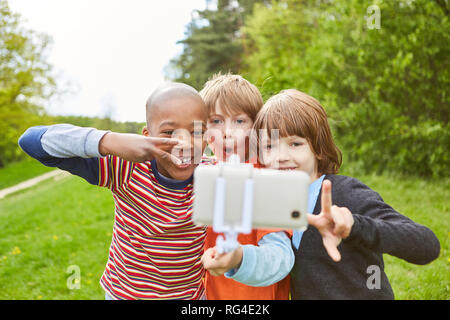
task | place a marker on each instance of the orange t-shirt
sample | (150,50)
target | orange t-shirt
(223,288)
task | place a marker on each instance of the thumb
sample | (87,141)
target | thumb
(313,220)
(332,250)
(208,255)
(168,156)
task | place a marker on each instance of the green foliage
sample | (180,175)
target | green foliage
(385,90)
(212,43)
(101,123)
(25,80)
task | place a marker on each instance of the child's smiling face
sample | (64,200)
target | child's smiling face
(184,119)
(228,134)
(289,153)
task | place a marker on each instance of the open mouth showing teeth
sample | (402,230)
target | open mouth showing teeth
(185,161)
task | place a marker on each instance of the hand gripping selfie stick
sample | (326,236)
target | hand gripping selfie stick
(230,243)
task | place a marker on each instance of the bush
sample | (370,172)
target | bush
(385,90)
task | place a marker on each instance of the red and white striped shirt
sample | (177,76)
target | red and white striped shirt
(156,247)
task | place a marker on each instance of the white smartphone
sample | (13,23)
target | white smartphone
(279,199)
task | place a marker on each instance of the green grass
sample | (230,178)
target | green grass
(48,228)
(17,172)
(427,203)
(56,224)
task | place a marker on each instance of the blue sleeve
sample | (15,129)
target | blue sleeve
(267,263)
(30,142)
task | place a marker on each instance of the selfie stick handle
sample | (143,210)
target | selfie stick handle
(230,243)
(219,205)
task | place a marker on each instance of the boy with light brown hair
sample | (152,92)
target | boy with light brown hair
(232,103)
(259,268)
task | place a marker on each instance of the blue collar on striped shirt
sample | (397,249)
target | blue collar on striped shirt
(314,190)
(168,182)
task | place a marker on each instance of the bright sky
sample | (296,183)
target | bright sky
(111,52)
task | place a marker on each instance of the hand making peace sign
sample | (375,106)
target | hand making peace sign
(334,223)
(138,148)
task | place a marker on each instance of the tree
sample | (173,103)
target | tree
(25,80)
(385,89)
(212,44)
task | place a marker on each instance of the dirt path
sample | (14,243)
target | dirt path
(56,174)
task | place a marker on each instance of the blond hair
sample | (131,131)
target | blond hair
(295,113)
(233,93)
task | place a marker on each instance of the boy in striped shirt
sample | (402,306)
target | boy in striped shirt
(156,248)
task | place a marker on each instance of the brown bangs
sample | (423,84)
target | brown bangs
(279,113)
(233,94)
(295,113)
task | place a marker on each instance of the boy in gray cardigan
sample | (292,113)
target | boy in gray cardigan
(340,255)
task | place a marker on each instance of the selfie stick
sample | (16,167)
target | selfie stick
(230,243)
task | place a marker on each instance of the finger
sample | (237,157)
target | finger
(326,197)
(167,156)
(218,256)
(206,261)
(339,221)
(332,250)
(211,264)
(163,141)
(207,257)
(348,217)
(313,220)
(213,252)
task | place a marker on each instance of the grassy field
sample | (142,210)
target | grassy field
(17,172)
(427,203)
(49,228)
(58,224)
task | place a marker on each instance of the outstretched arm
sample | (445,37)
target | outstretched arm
(373,224)
(77,150)
(258,266)
(67,147)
